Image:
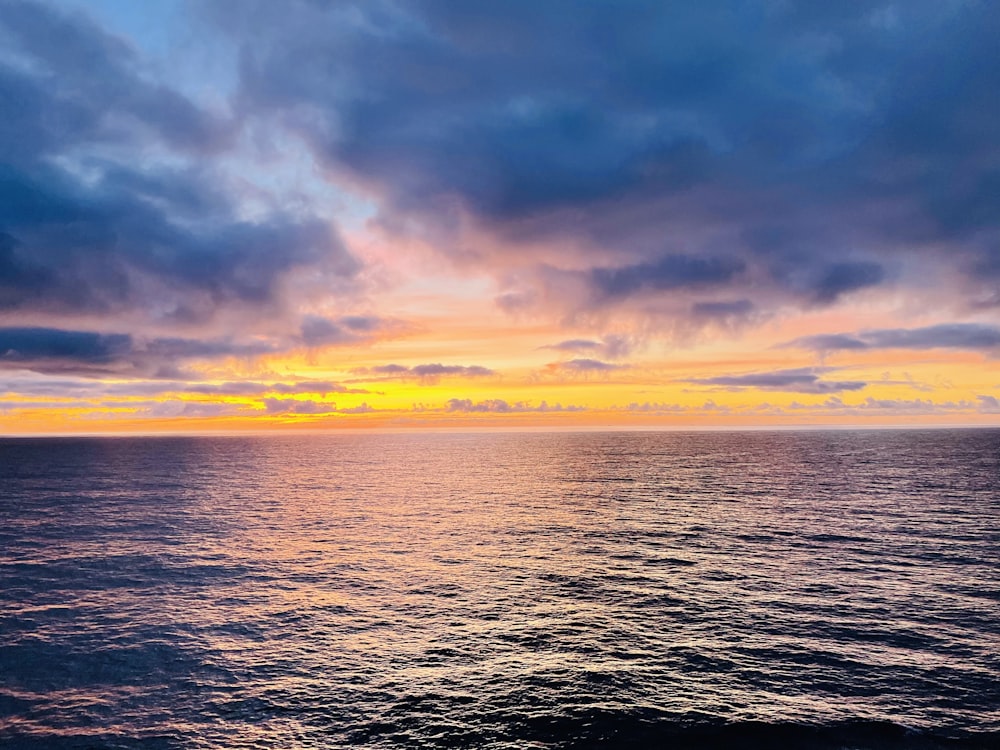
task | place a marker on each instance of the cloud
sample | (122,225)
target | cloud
(989,404)
(437,369)
(797,380)
(946,336)
(671,153)
(575,345)
(670,272)
(114,203)
(655,407)
(427,373)
(310,407)
(25,383)
(250,388)
(174,408)
(969,336)
(827,342)
(735,309)
(499,406)
(25,345)
(52,350)
(319,331)
(841,278)
(834,406)
(583,365)
(612,346)
(297,406)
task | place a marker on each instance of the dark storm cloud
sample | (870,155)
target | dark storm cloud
(25,345)
(841,278)
(109,203)
(50,350)
(790,152)
(968,336)
(671,272)
(722,310)
(799,380)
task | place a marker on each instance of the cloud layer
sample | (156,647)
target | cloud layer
(271,203)
(714,158)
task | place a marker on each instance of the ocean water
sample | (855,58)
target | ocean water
(502,590)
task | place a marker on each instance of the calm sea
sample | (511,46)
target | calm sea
(501,590)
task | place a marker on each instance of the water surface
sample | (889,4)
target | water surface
(798,589)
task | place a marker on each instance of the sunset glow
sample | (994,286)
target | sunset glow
(255,216)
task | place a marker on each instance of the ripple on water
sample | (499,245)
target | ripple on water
(820,590)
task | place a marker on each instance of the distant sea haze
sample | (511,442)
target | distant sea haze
(502,590)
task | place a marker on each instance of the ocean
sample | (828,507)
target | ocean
(814,589)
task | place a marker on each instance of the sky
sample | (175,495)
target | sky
(249,215)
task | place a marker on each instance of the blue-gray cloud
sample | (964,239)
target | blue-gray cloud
(713,161)
(780,152)
(735,309)
(670,272)
(613,346)
(841,278)
(797,380)
(110,203)
(51,350)
(575,345)
(585,365)
(967,336)
(317,331)
(26,345)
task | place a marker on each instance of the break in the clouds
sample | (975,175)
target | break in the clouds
(798,380)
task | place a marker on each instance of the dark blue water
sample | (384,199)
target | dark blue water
(787,590)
